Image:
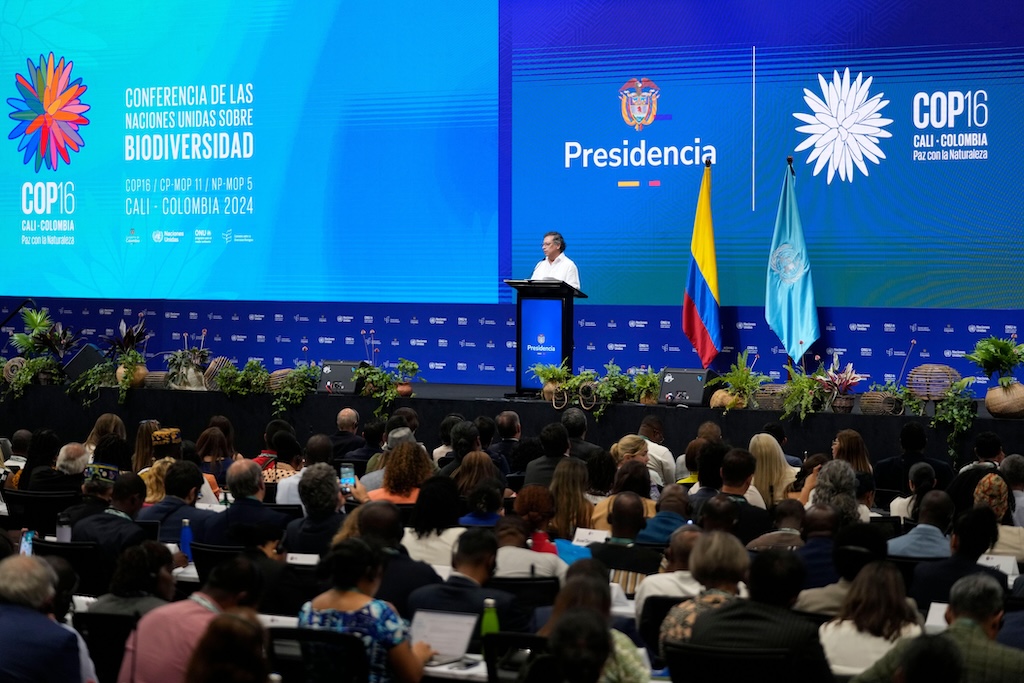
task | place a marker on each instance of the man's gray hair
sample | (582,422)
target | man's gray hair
(71,458)
(1012,469)
(978,596)
(575,422)
(318,489)
(27,581)
(244,478)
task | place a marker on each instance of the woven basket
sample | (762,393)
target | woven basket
(722,398)
(930,381)
(880,403)
(277,379)
(843,403)
(1007,402)
(770,396)
(216,365)
(156,380)
(11,368)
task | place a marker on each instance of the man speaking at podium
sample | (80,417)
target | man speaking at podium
(556,265)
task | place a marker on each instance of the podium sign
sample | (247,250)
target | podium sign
(544,329)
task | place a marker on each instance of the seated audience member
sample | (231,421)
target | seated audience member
(215,454)
(719,514)
(874,615)
(485,503)
(154,478)
(68,474)
(465,439)
(866,496)
(355,568)
(346,439)
(380,524)
(676,580)
(373,433)
(804,482)
(988,449)
(516,561)
(719,563)
(407,468)
(231,649)
(623,662)
(633,477)
(630,447)
(779,434)
(928,537)
(929,659)
(672,507)
(288,460)
(435,522)
(114,451)
(444,431)
(475,467)
(737,472)
(629,563)
(921,481)
(765,621)
(509,431)
(973,534)
(974,615)
(709,475)
(374,477)
(1012,469)
(575,422)
(322,500)
(222,423)
(525,452)
(64,590)
(488,428)
(105,425)
(773,476)
(143,581)
(835,484)
(318,449)
(894,473)
(820,526)
(36,648)
(160,647)
(993,492)
(115,529)
(245,481)
(182,483)
(686,464)
(43,448)
(601,472)
(536,506)
(788,520)
(96,491)
(555,440)
(660,460)
(580,646)
(268,454)
(855,547)
(569,488)
(465,590)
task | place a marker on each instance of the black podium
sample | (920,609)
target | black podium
(544,327)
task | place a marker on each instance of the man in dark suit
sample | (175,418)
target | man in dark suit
(893,473)
(575,422)
(245,481)
(473,564)
(509,431)
(373,435)
(765,620)
(555,440)
(737,473)
(182,485)
(115,529)
(975,532)
(820,526)
(68,474)
(346,439)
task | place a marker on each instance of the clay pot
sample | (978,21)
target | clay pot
(404,389)
(1005,402)
(138,377)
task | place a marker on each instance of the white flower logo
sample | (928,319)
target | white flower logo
(845,127)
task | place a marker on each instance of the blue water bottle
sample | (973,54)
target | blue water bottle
(185,544)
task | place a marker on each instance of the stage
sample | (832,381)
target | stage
(50,406)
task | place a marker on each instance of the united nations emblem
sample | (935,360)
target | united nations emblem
(639,99)
(788,263)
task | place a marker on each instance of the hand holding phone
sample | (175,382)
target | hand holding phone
(348,478)
(27,537)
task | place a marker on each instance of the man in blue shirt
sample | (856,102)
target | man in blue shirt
(672,509)
(928,538)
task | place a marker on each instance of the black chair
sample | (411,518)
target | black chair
(892,526)
(688,662)
(151,527)
(358,466)
(885,497)
(270,493)
(105,635)
(406,510)
(93,568)
(656,608)
(515,481)
(37,510)
(207,556)
(530,593)
(906,565)
(292,511)
(306,655)
(506,653)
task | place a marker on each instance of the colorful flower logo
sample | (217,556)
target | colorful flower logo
(50,114)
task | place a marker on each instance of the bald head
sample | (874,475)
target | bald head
(627,515)
(245,479)
(681,545)
(348,420)
(821,520)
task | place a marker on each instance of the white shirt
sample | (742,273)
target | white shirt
(1018,514)
(679,584)
(562,268)
(288,490)
(661,464)
(433,548)
(850,651)
(523,563)
(900,507)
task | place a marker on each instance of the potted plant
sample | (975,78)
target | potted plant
(804,394)
(89,382)
(58,341)
(131,372)
(956,409)
(1000,357)
(124,348)
(741,382)
(251,379)
(378,383)
(405,372)
(551,376)
(37,370)
(37,322)
(294,386)
(581,387)
(837,384)
(185,367)
(892,398)
(614,387)
(647,386)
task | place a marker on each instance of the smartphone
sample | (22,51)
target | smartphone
(27,537)
(348,478)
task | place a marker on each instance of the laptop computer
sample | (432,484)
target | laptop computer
(448,633)
(336,377)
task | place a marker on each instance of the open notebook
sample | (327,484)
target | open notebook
(448,633)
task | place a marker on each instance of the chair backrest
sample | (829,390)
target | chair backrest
(305,655)
(207,556)
(269,493)
(906,565)
(93,569)
(690,662)
(885,497)
(151,527)
(530,593)
(105,635)
(506,653)
(515,481)
(656,608)
(892,526)
(292,511)
(38,510)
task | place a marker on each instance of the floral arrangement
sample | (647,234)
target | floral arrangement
(839,382)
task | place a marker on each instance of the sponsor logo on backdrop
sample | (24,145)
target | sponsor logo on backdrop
(978,329)
(844,126)
(948,329)
(745,326)
(888,327)
(462,321)
(1009,329)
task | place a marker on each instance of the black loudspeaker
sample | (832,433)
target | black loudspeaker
(686,386)
(336,377)
(87,358)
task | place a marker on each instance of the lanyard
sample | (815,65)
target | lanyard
(205,602)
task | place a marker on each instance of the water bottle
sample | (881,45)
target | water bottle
(185,544)
(63,528)
(489,621)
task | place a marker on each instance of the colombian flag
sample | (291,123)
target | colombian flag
(700,301)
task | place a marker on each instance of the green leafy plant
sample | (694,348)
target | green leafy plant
(29,373)
(184,364)
(998,357)
(295,386)
(912,405)
(127,338)
(956,410)
(803,394)
(377,383)
(88,384)
(547,372)
(127,361)
(407,371)
(836,382)
(37,322)
(646,385)
(741,381)
(251,379)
